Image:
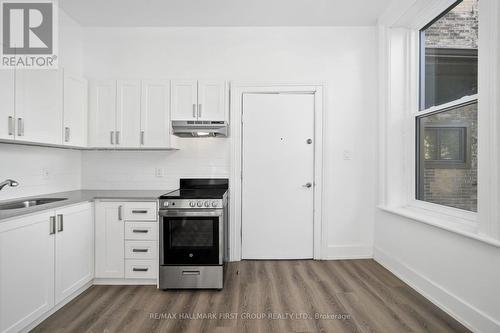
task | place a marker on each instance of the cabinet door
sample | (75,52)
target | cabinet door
(74,249)
(128,114)
(75,111)
(26,271)
(155,119)
(184,100)
(39,106)
(212,100)
(109,240)
(7,116)
(102,124)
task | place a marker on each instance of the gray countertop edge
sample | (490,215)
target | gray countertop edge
(76,197)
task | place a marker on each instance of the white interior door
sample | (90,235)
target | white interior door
(278,165)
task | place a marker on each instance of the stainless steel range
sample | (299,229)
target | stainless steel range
(193,220)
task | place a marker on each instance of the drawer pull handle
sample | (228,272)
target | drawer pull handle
(135,269)
(139,212)
(140,231)
(190,272)
(140,250)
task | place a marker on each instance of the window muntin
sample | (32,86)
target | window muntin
(446,151)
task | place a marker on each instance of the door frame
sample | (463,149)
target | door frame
(238,90)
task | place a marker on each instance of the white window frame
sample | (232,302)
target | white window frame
(399,36)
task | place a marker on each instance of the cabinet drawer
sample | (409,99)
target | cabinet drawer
(140,211)
(141,269)
(141,230)
(140,249)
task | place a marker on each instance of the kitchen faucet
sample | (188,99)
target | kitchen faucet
(10,182)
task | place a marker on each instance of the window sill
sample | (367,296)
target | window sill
(461,226)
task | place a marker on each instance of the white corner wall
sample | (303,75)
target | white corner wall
(344,58)
(459,274)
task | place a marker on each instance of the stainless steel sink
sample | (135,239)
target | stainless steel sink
(28,203)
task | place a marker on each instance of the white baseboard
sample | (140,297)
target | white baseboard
(334,252)
(469,316)
(49,313)
(101,281)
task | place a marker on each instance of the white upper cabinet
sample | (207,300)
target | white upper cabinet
(102,124)
(75,115)
(199,100)
(74,249)
(212,100)
(184,100)
(128,114)
(7,108)
(155,120)
(26,270)
(39,106)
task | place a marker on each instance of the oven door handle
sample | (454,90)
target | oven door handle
(190,213)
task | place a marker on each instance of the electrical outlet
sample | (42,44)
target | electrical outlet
(160,172)
(347,155)
(45,174)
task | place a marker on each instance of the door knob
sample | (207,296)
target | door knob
(307,185)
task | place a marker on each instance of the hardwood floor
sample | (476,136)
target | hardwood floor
(262,296)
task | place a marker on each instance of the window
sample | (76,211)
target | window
(446,152)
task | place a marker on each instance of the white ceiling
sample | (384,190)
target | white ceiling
(155,13)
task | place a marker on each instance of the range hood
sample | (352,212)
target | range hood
(199,128)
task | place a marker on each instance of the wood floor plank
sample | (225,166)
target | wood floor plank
(262,296)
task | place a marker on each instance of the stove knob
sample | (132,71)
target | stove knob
(214,203)
(192,203)
(199,204)
(165,204)
(207,204)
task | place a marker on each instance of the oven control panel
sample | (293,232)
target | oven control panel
(190,203)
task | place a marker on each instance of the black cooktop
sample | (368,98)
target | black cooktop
(199,188)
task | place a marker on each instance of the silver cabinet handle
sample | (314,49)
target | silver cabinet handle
(120,217)
(52,225)
(307,185)
(199,110)
(20,127)
(112,137)
(194,110)
(117,137)
(135,269)
(140,250)
(60,223)
(142,137)
(140,231)
(139,211)
(11,125)
(190,272)
(66,134)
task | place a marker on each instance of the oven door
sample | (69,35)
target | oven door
(191,237)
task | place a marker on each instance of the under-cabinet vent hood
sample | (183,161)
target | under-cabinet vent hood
(199,128)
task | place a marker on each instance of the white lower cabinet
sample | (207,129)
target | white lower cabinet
(126,240)
(109,240)
(74,249)
(44,258)
(26,271)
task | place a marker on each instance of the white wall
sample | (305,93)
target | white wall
(343,58)
(28,164)
(459,274)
